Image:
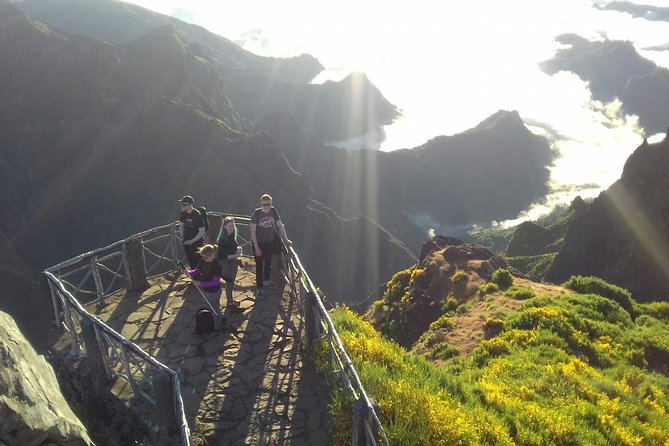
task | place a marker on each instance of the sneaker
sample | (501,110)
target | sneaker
(259,294)
(269,283)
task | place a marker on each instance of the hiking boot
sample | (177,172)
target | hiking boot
(259,294)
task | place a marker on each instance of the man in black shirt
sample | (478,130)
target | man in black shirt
(192,230)
(265,223)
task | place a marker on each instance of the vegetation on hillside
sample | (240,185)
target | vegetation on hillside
(577,369)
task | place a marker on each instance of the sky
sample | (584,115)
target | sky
(449,65)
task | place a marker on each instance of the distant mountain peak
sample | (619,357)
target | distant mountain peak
(501,118)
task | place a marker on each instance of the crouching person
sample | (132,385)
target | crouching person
(207,276)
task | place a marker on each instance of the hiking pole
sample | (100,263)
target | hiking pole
(183,268)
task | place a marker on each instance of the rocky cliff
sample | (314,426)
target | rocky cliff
(32,408)
(623,237)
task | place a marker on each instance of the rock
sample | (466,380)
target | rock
(32,408)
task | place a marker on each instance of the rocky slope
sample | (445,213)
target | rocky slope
(32,408)
(623,236)
(450,274)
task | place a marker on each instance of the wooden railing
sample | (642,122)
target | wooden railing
(367,427)
(129,264)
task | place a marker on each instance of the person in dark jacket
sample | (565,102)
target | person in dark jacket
(229,253)
(207,276)
(192,230)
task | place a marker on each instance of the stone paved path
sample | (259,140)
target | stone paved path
(249,385)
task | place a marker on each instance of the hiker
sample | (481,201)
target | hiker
(229,253)
(265,224)
(207,276)
(192,230)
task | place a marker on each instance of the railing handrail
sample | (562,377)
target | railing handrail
(325,315)
(347,366)
(134,348)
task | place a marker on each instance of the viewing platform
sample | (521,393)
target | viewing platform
(245,385)
(127,314)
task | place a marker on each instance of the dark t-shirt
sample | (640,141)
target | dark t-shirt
(265,224)
(192,223)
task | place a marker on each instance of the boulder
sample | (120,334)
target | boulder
(32,408)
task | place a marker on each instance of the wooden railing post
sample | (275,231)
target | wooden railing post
(133,253)
(94,359)
(309,318)
(99,289)
(359,438)
(69,323)
(164,392)
(174,248)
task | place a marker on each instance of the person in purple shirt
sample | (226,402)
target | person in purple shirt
(207,276)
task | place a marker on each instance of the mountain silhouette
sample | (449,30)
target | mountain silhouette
(256,85)
(492,171)
(623,235)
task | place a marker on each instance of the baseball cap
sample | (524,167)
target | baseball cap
(186,199)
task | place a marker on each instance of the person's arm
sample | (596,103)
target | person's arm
(181,230)
(216,280)
(194,273)
(200,234)
(254,239)
(282,233)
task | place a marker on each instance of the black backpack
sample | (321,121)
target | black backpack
(205,218)
(204,322)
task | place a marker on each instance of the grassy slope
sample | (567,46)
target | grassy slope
(566,369)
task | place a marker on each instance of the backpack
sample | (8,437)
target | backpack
(204,322)
(205,218)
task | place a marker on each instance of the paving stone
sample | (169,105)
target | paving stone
(130,331)
(187,337)
(193,366)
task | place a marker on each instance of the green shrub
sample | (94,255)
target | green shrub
(488,288)
(443,322)
(459,276)
(449,305)
(658,310)
(595,285)
(443,351)
(520,293)
(492,327)
(502,278)
(463,308)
